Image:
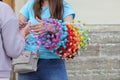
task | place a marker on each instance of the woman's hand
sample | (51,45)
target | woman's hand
(38,28)
(25,31)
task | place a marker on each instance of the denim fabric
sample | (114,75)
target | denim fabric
(48,69)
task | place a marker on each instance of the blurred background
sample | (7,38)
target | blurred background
(91,11)
(101,59)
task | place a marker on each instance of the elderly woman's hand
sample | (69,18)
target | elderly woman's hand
(22,19)
(25,31)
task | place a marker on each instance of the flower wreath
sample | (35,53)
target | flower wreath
(63,38)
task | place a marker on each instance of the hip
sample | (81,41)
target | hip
(48,69)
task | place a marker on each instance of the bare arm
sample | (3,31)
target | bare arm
(68,19)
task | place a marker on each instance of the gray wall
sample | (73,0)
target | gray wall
(101,58)
(91,11)
(97,11)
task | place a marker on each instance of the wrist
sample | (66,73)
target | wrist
(22,33)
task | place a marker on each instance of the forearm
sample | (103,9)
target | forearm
(22,33)
(13,42)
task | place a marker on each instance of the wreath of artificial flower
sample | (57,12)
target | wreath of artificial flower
(65,39)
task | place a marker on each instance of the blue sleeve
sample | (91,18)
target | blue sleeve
(26,8)
(68,10)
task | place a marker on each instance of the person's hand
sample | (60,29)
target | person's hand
(25,31)
(38,28)
(22,20)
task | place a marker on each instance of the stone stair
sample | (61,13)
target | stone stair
(100,60)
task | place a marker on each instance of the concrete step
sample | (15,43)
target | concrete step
(95,50)
(105,37)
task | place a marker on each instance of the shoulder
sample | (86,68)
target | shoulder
(66,5)
(30,3)
(4,6)
(5,9)
(68,10)
(6,13)
(28,6)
